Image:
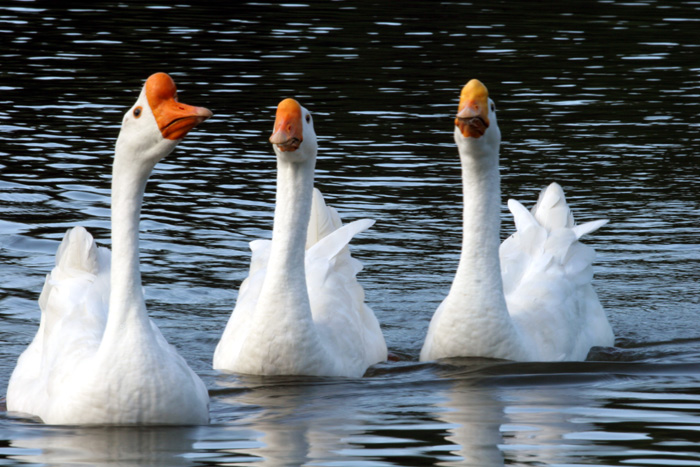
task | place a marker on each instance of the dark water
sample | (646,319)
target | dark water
(603,97)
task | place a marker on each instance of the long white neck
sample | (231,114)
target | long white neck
(126,304)
(284,297)
(476,298)
(479,272)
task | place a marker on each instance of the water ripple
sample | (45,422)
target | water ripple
(615,125)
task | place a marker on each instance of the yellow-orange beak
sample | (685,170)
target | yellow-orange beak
(174,118)
(288,132)
(473,114)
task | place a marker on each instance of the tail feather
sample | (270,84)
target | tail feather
(551,210)
(77,253)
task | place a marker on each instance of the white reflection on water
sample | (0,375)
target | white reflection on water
(296,421)
(104,446)
(475,416)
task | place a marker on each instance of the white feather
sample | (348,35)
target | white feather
(529,299)
(97,358)
(301,309)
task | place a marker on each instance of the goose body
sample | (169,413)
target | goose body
(97,359)
(531,298)
(301,310)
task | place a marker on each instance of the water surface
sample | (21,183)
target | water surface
(603,98)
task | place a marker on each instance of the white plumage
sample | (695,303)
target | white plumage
(301,310)
(530,299)
(97,358)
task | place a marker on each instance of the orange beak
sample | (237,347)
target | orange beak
(174,118)
(473,114)
(288,132)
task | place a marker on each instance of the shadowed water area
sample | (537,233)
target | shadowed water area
(602,97)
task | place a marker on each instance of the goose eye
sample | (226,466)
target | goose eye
(137,112)
(493,107)
(308,118)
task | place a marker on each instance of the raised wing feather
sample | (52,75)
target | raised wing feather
(324,220)
(74,304)
(547,277)
(345,322)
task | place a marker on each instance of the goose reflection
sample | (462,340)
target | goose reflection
(113,446)
(474,414)
(298,420)
(502,412)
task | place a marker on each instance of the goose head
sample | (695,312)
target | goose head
(475,123)
(293,137)
(154,125)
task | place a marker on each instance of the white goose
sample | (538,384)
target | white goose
(97,358)
(301,310)
(534,301)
